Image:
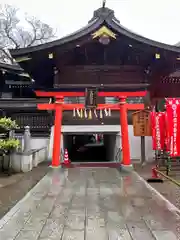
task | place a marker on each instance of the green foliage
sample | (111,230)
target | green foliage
(9,145)
(8,123)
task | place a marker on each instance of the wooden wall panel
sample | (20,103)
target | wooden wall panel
(99,74)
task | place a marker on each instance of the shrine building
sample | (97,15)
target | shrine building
(90,82)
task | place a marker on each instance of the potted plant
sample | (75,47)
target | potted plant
(7,144)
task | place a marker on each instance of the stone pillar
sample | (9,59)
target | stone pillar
(12,134)
(27,139)
(117,147)
(126,161)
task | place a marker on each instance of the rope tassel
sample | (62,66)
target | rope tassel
(90,114)
(78,113)
(81,113)
(106,112)
(101,114)
(85,113)
(95,113)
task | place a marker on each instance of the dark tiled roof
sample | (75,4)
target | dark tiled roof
(13,67)
(101,16)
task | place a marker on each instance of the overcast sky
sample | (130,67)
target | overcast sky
(155,19)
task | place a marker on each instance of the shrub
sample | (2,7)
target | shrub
(9,145)
(8,124)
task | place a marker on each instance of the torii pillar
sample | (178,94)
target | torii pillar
(58,108)
(57,132)
(126,161)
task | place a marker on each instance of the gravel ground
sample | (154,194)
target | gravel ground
(15,187)
(168,189)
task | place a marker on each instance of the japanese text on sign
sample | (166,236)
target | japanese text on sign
(172,107)
(142,123)
(91,98)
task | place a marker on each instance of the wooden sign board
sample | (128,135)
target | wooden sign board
(91,98)
(142,123)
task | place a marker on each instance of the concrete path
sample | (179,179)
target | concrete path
(90,204)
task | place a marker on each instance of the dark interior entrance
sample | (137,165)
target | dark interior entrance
(87,148)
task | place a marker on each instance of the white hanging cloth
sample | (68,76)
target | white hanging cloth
(78,113)
(95,113)
(74,112)
(85,113)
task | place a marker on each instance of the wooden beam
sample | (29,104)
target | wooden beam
(103,106)
(104,86)
(47,106)
(122,94)
(137,106)
(81,94)
(59,94)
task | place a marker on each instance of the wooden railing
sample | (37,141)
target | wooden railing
(38,123)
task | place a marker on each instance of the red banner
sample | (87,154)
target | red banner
(173,117)
(158,130)
(167,137)
(153,125)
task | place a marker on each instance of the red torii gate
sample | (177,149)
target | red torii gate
(59,106)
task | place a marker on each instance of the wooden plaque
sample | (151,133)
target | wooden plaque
(142,123)
(91,98)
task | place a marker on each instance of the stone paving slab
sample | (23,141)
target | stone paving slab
(91,203)
(14,188)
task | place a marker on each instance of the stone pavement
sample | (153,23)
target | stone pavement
(168,189)
(91,203)
(14,188)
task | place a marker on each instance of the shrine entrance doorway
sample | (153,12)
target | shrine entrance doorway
(92,147)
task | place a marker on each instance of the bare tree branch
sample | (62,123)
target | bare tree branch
(5,56)
(41,32)
(13,35)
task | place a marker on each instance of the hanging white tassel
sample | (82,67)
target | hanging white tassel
(78,113)
(109,112)
(74,112)
(106,112)
(101,114)
(90,114)
(85,113)
(81,113)
(95,113)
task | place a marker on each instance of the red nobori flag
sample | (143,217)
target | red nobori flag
(162,125)
(173,115)
(158,130)
(153,125)
(167,137)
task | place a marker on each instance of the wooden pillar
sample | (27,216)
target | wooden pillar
(124,132)
(56,159)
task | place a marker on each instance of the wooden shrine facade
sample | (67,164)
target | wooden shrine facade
(102,55)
